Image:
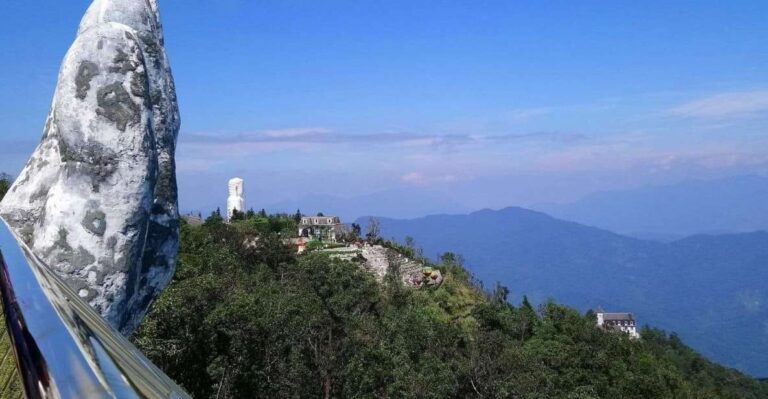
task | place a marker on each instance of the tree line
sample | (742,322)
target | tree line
(5,184)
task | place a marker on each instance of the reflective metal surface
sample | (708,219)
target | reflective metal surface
(63,348)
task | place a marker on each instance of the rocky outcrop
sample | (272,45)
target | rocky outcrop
(97,200)
(378,260)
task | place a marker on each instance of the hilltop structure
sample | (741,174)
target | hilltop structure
(624,322)
(236,199)
(321,227)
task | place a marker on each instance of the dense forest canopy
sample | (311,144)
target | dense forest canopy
(245,317)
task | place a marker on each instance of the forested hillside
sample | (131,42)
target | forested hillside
(245,318)
(710,289)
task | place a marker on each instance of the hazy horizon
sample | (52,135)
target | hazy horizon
(516,104)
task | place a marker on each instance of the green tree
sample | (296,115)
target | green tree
(297,216)
(237,216)
(356,231)
(500,294)
(373,229)
(5,184)
(215,217)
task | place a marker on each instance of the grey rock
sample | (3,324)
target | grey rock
(98,199)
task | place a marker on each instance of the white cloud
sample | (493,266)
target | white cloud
(734,105)
(417,178)
(651,159)
(412,178)
(424,141)
(292,133)
(319,136)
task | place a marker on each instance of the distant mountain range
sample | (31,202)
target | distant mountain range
(396,203)
(730,205)
(710,289)
(660,213)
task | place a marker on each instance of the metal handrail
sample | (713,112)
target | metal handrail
(63,348)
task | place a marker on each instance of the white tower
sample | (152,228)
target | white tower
(236,199)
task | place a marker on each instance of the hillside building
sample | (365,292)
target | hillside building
(623,322)
(327,228)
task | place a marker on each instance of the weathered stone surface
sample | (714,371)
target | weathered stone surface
(97,199)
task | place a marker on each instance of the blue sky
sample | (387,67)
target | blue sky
(488,103)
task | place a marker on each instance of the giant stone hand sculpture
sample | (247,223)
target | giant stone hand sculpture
(97,200)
